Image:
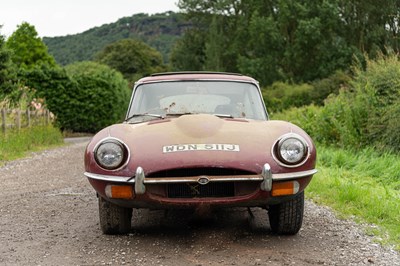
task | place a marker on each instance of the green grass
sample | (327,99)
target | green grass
(15,144)
(363,185)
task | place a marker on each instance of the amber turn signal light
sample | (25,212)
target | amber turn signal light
(285,188)
(119,192)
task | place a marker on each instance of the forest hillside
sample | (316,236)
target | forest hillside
(160,31)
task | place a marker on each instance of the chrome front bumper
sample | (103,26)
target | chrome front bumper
(140,180)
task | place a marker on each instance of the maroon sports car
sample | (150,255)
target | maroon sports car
(199,140)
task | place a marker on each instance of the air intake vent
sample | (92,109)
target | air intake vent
(193,190)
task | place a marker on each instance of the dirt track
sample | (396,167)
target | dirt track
(48,216)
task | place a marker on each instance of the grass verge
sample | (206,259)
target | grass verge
(14,145)
(361,185)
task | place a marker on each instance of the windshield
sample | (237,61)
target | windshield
(224,98)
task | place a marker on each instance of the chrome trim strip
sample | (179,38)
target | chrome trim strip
(111,178)
(294,175)
(250,80)
(194,179)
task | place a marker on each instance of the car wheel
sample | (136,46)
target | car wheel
(113,218)
(287,217)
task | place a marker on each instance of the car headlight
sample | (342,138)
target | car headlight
(291,150)
(111,154)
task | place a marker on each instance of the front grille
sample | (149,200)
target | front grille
(194,190)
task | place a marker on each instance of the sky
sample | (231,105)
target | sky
(62,17)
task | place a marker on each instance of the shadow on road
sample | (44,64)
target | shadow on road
(181,222)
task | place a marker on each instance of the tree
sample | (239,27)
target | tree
(313,45)
(214,50)
(188,52)
(263,51)
(294,40)
(132,58)
(216,26)
(7,73)
(27,48)
(371,26)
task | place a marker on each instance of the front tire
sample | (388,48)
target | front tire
(287,217)
(114,219)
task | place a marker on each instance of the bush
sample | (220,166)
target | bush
(379,85)
(84,97)
(331,85)
(343,121)
(385,129)
(366,114)
(281,96)
(100,98)
(304,117)
(54,85)
(383,77)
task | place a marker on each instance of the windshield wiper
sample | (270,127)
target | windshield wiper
(179,114)
(139,115)
(188,113)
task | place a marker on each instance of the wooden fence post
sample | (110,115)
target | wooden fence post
(18,119)
(47,117)
(3,119)
(28,117)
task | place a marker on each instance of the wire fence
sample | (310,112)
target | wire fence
(16,119)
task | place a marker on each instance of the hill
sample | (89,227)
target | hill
(160,31)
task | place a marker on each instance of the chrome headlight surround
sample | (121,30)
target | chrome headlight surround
(111,154)
(291,150)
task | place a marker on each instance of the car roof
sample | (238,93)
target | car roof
(197,75)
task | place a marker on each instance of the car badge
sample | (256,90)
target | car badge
(203,180)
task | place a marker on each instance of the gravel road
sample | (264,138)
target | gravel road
(48,216)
